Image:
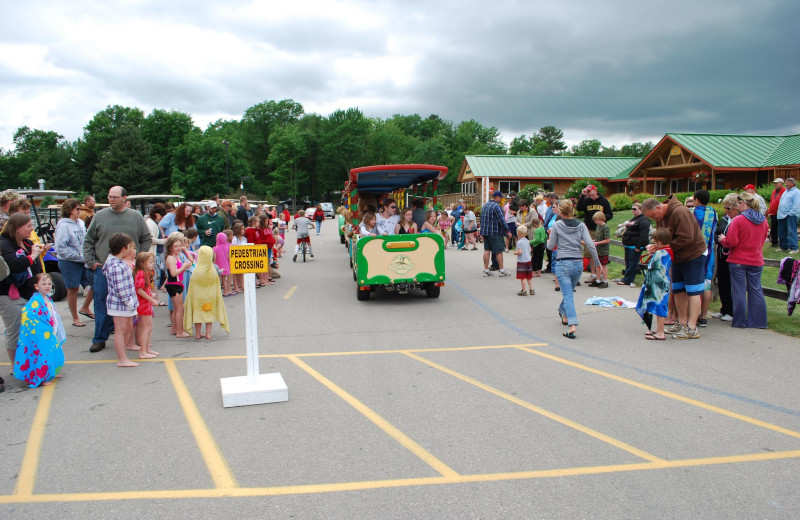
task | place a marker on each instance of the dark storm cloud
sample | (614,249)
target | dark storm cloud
(599,69)
(637,70)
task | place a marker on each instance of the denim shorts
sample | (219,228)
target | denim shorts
(75,274)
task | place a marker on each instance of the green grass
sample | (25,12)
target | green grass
(778,319)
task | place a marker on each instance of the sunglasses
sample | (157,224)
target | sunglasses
(728,208)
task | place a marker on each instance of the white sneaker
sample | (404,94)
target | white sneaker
(727,317)
(633,286)
(793,252)
(503,273)
(717,315)
(487,272)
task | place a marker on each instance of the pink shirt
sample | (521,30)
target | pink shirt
(745,241)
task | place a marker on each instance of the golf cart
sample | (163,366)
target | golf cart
(394,262)
(45,220)
(145,202)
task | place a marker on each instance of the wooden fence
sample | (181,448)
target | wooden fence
(771,262)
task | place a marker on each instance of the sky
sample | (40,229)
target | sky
(617,71)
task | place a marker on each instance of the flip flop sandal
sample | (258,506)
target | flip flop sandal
(87,314)
(79,324)
(564,320)
(654,337)
(570,335)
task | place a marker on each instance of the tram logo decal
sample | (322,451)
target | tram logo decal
(401,264)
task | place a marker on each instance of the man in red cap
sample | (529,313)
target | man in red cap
(762,205)
(591,202)
(772,212)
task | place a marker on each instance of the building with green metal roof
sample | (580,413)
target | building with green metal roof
(687,162)
(482,174)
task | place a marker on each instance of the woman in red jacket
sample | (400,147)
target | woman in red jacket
(745,239)
(319,217)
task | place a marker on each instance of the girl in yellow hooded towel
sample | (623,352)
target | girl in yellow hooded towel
(204,299)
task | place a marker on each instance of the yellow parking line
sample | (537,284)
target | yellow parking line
(215,461)
(311,354)
(395,483)
(379,421)
(290,292)
(671,395)
(33,448)
(541,411)
(445,349)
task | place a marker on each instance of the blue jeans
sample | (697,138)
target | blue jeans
(749,305)
(631,265)
(103,323)
(319,225)
(787,232)
(568,273)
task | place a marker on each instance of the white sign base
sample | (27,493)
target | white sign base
(254,388)
(239,391)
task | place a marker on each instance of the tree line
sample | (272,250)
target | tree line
(275,150)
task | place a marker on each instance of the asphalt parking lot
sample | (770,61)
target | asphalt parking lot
(471,405)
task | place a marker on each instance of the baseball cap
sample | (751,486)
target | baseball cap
(211,204)
(778,180)
(497,193)
(591,187)
(749,187)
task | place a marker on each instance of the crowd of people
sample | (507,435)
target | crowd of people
(123,260)
(687,250)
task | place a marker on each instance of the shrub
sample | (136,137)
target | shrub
(529,192)
(640,197)
(620,202)
(765,190)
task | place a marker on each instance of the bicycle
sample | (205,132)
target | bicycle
(303,249)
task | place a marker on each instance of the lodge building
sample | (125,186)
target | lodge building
(680,162)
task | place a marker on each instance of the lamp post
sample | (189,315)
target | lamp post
(227,175)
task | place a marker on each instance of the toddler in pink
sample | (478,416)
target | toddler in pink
(222,261)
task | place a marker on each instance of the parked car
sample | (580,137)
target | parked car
(327,207)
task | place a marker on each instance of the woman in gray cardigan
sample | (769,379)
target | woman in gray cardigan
(567,236)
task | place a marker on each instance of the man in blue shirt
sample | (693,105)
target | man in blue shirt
(493,229)
(788,211)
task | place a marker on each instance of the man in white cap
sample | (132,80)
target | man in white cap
(209,224)
(772,211)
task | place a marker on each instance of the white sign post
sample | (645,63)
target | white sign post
(254,388)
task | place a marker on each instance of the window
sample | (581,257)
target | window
(694,186)
(508,186)
(720,182)
(468,187)
(658,188)
(675,185)
(549,186)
